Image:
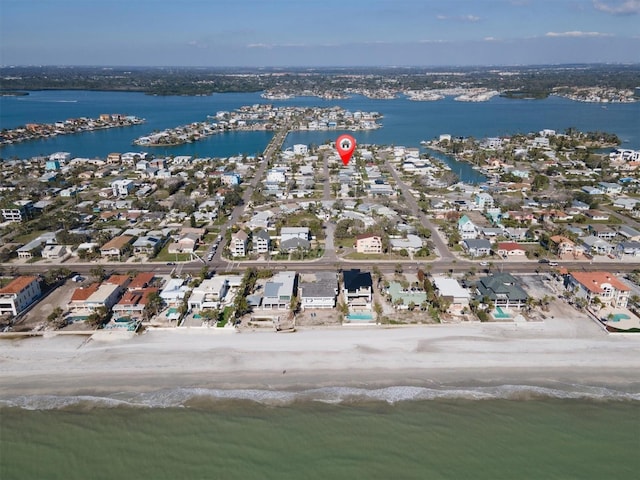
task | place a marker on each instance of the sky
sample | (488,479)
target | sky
(275,33)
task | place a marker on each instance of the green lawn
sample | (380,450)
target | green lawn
(165,256)
(226,315)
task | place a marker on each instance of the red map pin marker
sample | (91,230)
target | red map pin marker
(345,144)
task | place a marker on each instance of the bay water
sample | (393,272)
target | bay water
(405,122)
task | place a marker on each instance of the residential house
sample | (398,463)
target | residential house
(610,188)
(629,233)
(599,285)
(133,303)
(483,200)
(230,179)
(411,244)
(116,246)
(626,203)
(147,244)
(261,241)
(54,252)
(86,300)
(293,244)
(511,249)
(357,289)
(502,290)
(19,294)
(451,290)
(209,293)
(467,229)
(238,244)
(596,246)
(280,290)
(561,245)
(602,231)
(19,211)
(287,233)
(630,248)
(141,280)
(36,245)
(174,292)
(321,293)
(122,188)
(368,243)
(477,247)
(187,243)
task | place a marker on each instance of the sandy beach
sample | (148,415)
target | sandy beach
(553,352)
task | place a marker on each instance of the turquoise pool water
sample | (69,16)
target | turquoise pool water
(360,316)
(619,316)
(499,313)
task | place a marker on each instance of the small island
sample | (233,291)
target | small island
(36,131)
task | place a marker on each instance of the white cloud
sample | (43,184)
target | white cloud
(626,7)
(461,18)
(577,34)
(490,39)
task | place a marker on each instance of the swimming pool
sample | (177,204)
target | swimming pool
(619,316)
(499,313)
(360,316)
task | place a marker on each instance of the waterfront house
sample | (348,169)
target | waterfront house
(174,292)
(358,289)
(19,294)
(368,243)
(280,290)
(321,293)
(133,303)
(451,290)
(209,293)
(601,285)
(502,290)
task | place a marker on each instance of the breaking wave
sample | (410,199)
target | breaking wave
(199,397)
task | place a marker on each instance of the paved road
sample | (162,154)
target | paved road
(441,246)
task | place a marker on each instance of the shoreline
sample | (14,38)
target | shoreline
(438,358)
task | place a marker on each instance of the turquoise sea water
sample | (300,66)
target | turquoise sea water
(532,437)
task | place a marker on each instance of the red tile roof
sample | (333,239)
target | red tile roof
(592,281)
(141,280)
(119,280)
(17,285)
(509,246)
(83,293)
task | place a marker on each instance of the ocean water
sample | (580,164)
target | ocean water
(507,432)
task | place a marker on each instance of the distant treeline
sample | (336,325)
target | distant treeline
(534,82)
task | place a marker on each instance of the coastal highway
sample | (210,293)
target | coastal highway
(454,266)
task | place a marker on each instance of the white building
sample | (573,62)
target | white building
(287,233)
(300,149)
(122,188)
(209,293)
(320,294)
(279,291)
(19,294)
(238,244)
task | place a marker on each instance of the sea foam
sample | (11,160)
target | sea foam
(199,397)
